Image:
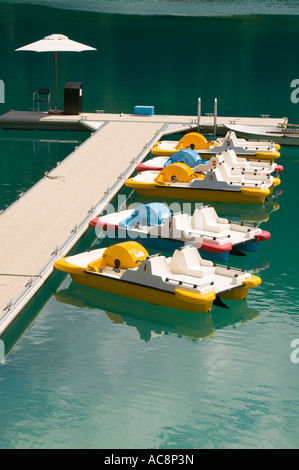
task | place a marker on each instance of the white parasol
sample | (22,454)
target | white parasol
(56,43)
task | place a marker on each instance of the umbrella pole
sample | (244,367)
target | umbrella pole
(55,111)
(56,58)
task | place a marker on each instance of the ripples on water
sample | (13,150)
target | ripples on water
(96,370)
(24,159)
(177,7)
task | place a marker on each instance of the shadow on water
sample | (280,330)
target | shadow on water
(153,320)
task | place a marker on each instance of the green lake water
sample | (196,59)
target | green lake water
(88,369)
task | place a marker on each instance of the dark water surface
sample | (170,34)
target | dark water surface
(86,369)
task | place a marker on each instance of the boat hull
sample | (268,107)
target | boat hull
(87,269)
(179,300)
(209,251)
(277,135)
(269,156)
(244,197)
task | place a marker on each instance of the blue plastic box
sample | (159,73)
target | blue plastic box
(144,110)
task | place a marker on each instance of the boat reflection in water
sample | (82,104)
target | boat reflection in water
(153,320)
(249,214)
(246,213)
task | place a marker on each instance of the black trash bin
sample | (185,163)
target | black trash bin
(73,92)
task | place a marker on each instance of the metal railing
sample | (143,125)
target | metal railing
(209,114)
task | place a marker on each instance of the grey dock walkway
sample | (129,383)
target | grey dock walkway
(47,221)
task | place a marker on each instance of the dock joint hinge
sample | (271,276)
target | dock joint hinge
(30,282)
(56,251)
(8,305)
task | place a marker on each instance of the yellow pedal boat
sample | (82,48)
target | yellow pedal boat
(184,281)
(252,150)
(178,181)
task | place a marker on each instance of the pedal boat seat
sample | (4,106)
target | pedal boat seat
(188,261)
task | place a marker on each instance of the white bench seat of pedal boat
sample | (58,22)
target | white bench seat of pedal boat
(152,271)
(157,266)
(207,219)
(231,158)
(188,261)
(225,171)
(180,223)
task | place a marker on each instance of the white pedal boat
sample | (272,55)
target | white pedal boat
(283,133)
(178,181)
(192,159)
(261,150)
(184,281)
(156,226)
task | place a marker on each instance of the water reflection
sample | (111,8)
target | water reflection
(27,158)
(152,321)
(246,213)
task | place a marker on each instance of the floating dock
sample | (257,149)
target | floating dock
(208,124)
(49,219)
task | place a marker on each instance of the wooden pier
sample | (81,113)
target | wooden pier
(46,222)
